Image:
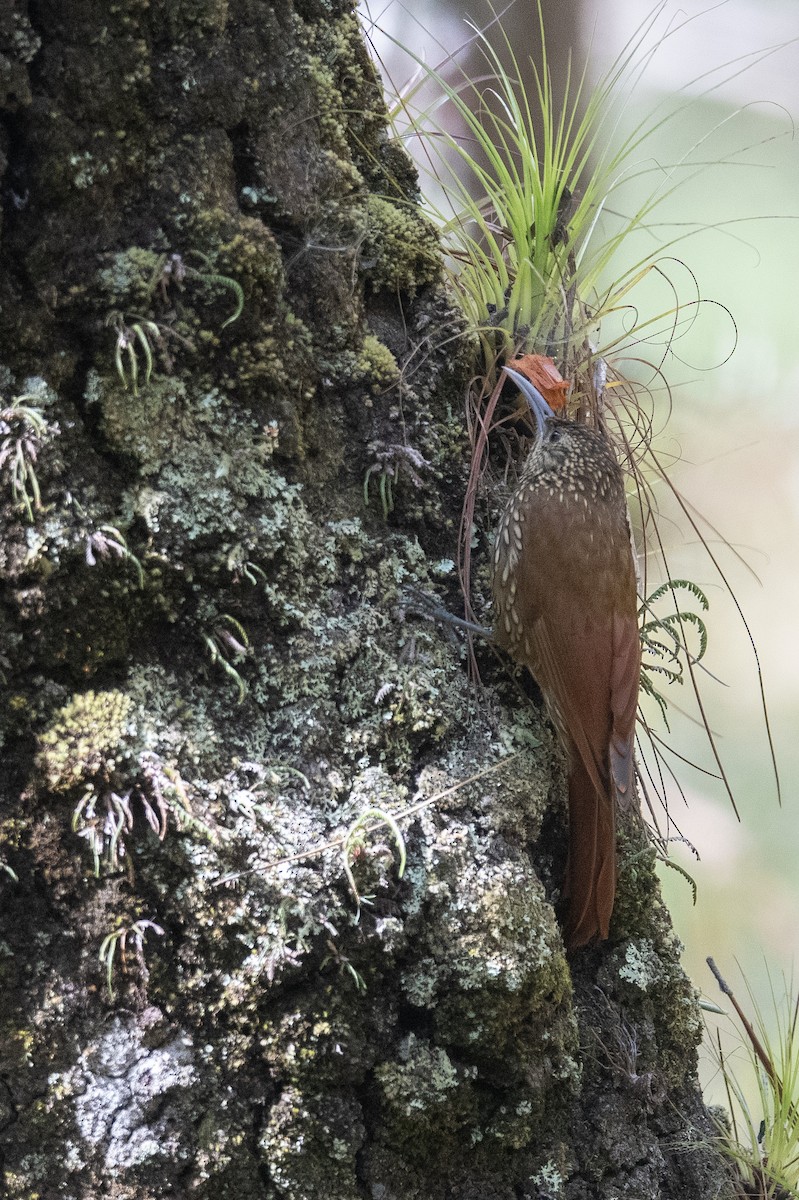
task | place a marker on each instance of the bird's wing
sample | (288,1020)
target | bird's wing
(582,631)
(573,669)
(624,683)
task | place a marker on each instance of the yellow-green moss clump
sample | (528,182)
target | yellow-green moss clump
(378,364)
(251,255)
(400,246)
(85,739)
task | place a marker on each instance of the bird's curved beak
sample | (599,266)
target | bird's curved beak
(538,405)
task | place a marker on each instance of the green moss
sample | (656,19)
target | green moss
(377,364)
(18,1045)
(269,359)
(396,687)
(202,466)
(85,739)
(505,987)
(252,256)
(400,247)
(274,371)
(645,965)
(326,102)
(340,46)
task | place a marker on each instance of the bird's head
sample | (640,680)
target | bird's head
(564,448)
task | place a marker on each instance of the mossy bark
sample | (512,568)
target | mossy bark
(211,523)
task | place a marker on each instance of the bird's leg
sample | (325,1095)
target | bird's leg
(448,618)
(427,606)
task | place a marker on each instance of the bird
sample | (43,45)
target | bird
(566,607)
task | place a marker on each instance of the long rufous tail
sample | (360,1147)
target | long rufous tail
(591,868)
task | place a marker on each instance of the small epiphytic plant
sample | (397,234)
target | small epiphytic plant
(139,336)
(345,966)
(620,1050)
(529,217)
(390,460)
(136,932)
(213,279)
(355,845)
(241,567)
(288,930)
(101,819)
(104,816)
(172,268)
(228,643)
(107,542)
(251,800)
(764,1101)
(23,431)
(8,870)
(132,339)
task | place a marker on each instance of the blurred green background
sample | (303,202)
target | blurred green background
(733,433)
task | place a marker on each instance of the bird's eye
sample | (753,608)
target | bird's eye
(554,435)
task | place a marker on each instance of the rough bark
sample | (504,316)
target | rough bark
(208,665)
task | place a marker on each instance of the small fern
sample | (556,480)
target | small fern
(664,647)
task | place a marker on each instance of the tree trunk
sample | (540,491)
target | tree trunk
(231,439)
